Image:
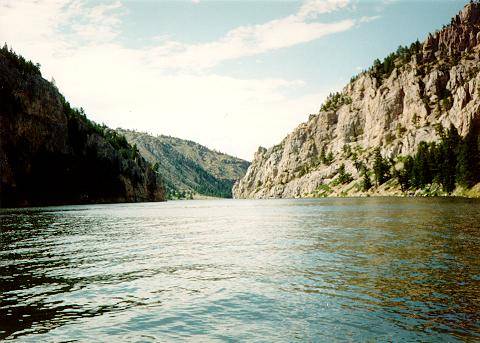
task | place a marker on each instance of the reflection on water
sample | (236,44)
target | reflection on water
(277,270)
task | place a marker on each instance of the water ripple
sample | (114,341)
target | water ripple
(272,270)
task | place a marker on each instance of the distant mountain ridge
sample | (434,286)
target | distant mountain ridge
(188,168)
(387,127)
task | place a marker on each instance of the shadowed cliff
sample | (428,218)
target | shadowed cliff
(51,153)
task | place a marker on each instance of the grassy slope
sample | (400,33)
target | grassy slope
(188,168)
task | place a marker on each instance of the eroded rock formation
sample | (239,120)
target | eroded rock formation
(431,84)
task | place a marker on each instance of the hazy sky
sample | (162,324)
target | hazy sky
(231,75)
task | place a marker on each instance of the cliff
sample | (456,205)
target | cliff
(52,154)
(393,106)
(188,168)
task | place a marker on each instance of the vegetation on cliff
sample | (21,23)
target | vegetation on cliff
(24,66)
(453,161)
(50,153)
(189,169)
(437,168)
(383,133)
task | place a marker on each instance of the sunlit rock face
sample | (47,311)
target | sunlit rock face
(50,157)
(438,85)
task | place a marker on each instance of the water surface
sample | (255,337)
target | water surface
(265,270)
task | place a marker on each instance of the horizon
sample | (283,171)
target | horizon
(238,59)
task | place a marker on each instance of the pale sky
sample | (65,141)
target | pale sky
(232,75)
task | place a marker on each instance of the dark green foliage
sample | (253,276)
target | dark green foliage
(193,176)
(322,156)
(343,176)
(53,163)
(453,160)
(448,159)
(400,130)
(446,98)
(85,174)
(403,176)
(468,159)
(421,171)
(187,168)
(347,151)
(117,141)
(19,62)
(329,158)
(178,194)
(366,181)
(403,55)
(381,168)
(354,78)
(334,101)
(356,162)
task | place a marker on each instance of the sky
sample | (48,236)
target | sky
(231,75)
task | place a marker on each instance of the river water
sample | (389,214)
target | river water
(373,269)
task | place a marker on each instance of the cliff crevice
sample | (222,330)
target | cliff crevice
(393,106)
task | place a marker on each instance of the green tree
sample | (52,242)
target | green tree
(454,160)
(347,151)
(404,175)
(380,168)
(449,149)
(322,155)
(421,172)
(467,171)
(329,158)
(366,182)
(343,176)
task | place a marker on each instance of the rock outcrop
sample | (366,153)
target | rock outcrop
(393,106)
(52,154)
(188,168)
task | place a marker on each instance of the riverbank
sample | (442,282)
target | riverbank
(391,188)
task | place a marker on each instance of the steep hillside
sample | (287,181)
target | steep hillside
(378,119)
(52,154)
(188,168)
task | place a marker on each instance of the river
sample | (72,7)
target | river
(370,269)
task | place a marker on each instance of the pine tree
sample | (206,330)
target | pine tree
(366,182)
(449,148)
(329,158)
(380,168)
(343,176)
(322,155)
(421,171)
(467,171)
(356,162)
(404,176)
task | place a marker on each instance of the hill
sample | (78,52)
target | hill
(188,168)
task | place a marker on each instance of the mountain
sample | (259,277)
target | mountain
(188,169)
(51,153)
(408,125)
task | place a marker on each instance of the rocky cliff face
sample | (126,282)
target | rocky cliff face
(51,154)
(188,168)
(393,106)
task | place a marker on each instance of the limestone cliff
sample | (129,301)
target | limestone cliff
(393,106)
(52,154)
